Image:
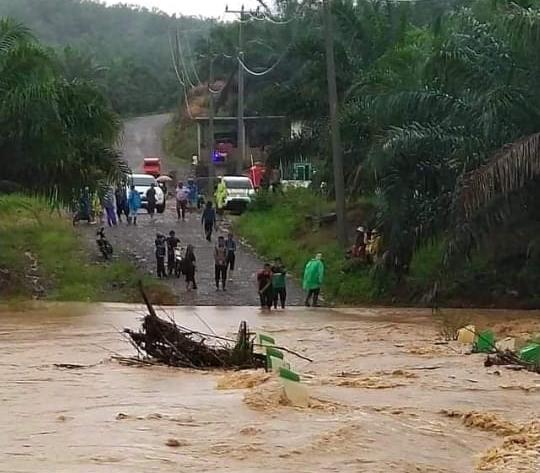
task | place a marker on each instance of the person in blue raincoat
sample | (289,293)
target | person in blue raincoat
(193,193)
(134,204)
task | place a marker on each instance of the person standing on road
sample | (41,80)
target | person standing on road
(134,204)
(110,208)
(220,196)
(193,194)
(121,202)
(279,283)
(189,268)
(313,279)
(182,198)
(172,244)
(160,255)
(220,260)
(264,282)
(208,219)
(275,180)
(151,200)
(230,243)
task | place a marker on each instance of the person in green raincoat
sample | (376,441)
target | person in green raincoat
(220,195)
(313,279)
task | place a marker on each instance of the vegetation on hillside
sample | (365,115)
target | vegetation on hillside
(125,47)
(439,113)
(58,132)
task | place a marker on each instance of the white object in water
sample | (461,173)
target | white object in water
(296,392)
(466,335)
(509,343)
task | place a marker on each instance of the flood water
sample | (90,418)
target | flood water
(378,385)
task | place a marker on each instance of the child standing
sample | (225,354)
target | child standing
(264,281)
(189,268)
(279,283)
(160,255)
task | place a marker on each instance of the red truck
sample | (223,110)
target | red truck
(152,165)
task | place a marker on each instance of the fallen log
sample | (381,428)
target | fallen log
(168,343)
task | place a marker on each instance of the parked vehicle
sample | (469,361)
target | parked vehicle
(152,166)
(142,183)
(240,191)
(103,244)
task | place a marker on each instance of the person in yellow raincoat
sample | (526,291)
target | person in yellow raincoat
(220,195)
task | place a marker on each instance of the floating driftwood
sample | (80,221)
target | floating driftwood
(166,342)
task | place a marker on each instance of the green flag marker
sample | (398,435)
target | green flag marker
(531,353)
(266,340)
(274,352)
(288,374)
(296,392)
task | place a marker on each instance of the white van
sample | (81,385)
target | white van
(142,183)
(240,191)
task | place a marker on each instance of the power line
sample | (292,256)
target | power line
(268,70)
(181,51)
(192,64)
(184,88)
(173,58)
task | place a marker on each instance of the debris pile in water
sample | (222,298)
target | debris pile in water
(173,345)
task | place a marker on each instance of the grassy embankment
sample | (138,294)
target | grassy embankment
(38,244)
(501,274)
(277,226)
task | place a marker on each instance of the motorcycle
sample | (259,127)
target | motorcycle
(103,244)
(178,261)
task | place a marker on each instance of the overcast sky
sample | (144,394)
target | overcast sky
(209,8)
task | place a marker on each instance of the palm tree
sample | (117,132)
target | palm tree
(57,134)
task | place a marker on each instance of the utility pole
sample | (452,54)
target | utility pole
(211,140)
(241,134)
(337,156)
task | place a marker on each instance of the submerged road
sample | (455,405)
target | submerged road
(142,137)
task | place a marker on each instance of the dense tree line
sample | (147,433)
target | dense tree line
(439,109)
(58,132)
(128,45)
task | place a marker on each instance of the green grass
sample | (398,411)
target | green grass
(29,225)
(277,226)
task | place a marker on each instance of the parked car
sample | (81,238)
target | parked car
(142,183)
(152,166)
(240,191)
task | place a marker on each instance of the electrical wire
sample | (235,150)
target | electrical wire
(192,63)
(175,65)
(184,87)
(270,69)
(269,19)
(183,62)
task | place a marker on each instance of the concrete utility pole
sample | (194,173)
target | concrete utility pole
(241,134)
(337,155)
(211,140)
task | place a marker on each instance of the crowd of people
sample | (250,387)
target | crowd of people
(367,245)
(112,205)
(176,260)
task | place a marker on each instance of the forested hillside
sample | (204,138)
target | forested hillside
(125,47)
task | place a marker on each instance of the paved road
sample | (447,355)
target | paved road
(142,137)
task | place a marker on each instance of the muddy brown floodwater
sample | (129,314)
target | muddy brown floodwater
(384,397)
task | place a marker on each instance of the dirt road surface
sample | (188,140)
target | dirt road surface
(142,137)
(384,397)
